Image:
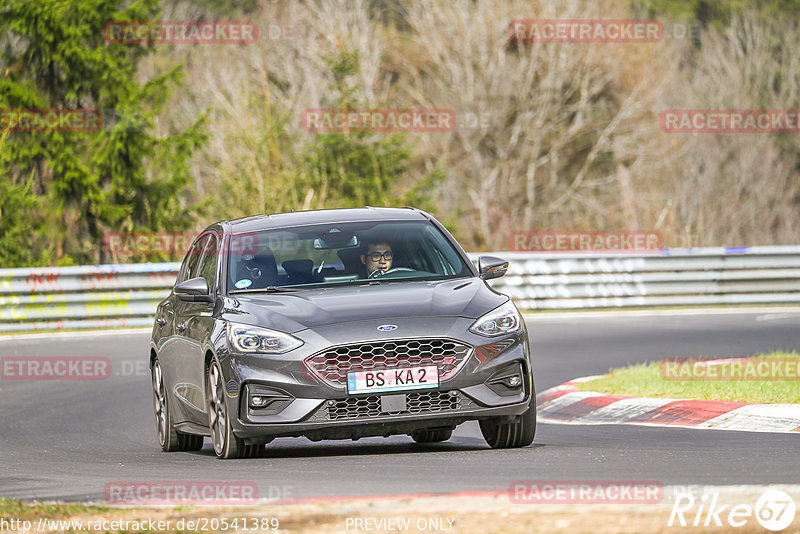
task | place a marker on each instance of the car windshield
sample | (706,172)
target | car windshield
(340,254)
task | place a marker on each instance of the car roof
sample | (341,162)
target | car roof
(327,216)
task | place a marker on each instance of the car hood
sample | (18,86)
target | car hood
(292,312)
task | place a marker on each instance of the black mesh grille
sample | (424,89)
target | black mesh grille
(416,403)
(332,365)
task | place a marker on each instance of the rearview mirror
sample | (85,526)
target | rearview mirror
(492,267)
(330,241)
(193,290)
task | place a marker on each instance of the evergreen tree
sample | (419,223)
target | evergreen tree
(118,177)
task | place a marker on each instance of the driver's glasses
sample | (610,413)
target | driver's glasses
(375,256)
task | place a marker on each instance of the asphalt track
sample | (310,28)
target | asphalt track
(67,439)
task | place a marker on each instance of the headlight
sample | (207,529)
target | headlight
(504,319)
(251,339)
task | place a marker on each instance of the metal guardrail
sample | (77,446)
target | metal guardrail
(669,277)
(96,296)
(102,296)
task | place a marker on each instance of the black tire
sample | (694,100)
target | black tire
(432,435)
(192,442)
(255,450)
(511,435)
(170,439)
(226,444)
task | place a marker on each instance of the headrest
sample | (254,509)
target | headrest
(261,269)
(297,266)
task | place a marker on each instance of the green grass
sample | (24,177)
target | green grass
(34,510)
(645,380)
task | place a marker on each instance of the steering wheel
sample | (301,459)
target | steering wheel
(378,273)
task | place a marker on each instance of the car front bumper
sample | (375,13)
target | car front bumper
(313,408)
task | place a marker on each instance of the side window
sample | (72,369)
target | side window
(208,262)
(189,269)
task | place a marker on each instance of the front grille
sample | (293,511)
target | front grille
(416,403)
(333,364)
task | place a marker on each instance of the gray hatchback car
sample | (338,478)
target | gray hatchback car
(337,324)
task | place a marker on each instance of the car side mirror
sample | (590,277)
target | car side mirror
(492,267)
(193,290)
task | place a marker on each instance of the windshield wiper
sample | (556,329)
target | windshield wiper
(268,289)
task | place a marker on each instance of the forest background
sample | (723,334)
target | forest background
(548,136)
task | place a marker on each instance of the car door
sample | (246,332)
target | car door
(171,339)
(194,322)
(165,314)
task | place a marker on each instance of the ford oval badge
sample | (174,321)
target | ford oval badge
(387,327)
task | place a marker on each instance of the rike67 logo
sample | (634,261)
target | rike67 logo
(774,510)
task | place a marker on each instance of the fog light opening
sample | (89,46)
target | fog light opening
(509,381)
(267,401)
(258,402)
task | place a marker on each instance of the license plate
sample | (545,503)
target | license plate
(382,380)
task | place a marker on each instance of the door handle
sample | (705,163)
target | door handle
(161,321)
(181,327)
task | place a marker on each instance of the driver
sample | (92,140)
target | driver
(377,257)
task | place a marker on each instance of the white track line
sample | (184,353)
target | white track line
(46,336)
(772,417)
(622,411)
(655,313)
(565,400)
(776,418)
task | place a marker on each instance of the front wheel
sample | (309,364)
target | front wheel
(520,433)
(226,444)
(170,439)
